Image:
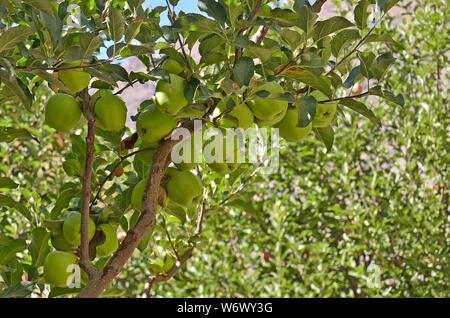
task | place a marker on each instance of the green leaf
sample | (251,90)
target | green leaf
(51,79)
(306,20)
(367,61)
(132,31)
(9,134)
(39,247)
(362,14)
(43,5)
(312,80)
(133,50)
(8,251)
(116,24)
(360,108)
(397,99)
(323,28)
(244,70)
(20,290)
(342,39)
(386,5)
(383,62)
(308,107)
(326,135)
(213,9)
(89,42)
(234,8)
(292,38)
(6,201)
(64,199)
(14,35)
(7,183)
(190,89)
(62,291)
(16,86)
(354,75)
(385,38)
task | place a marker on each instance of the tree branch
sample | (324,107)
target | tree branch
(238,50)
(88,108)
(43,68)
(181,261)
(122,159)
(317,6)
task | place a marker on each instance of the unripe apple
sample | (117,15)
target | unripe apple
(288,126)
(228,163)
(243,116)
(153,125)
(76,80)
(172,66)
(325,112)
(62,112)
(136,195)
(71,229)
(60,243)
(111,243)
(185,189)
(58,268)
(170,96)
(111,113)
(268,111)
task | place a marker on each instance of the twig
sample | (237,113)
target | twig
(174,270)
(169,238)
(238,50)
(170,14)
(317,6)
(30,68)
(122,159)
(84,244)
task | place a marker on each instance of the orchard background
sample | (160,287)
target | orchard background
(357,210)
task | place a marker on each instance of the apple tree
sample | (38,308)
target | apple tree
(90,177)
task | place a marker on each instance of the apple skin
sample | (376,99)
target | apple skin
(153,125)
(288,126)
(325,112)
(76,80)
(229,162)
(56,265)
(111,243)
(136,195)
(241,113)
(185,189)
(268,111)
(71,229)
(111,113)
(62,112)
(172,66)
(170,96)
(60,243)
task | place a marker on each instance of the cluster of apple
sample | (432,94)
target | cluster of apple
(156,121)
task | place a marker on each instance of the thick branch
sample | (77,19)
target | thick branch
(84,246)
(160,162)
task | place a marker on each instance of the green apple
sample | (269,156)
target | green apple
(76,80)
(136,195)
(62,112)
(146,156)
(228,163)
(325,112)
(170,96)
(185,188)
(111,243)
(268,111)
(58,268)
(71,229)
(153,125)
(288,126)
(172,66)
(60,243)
(241,114)
(111,113)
